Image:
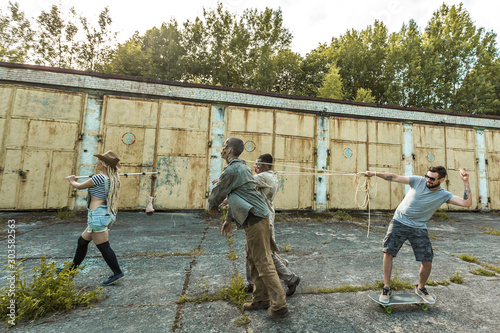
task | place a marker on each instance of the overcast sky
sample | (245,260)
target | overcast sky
(311,22)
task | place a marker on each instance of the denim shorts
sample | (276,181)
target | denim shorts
(98,220)
(398,233)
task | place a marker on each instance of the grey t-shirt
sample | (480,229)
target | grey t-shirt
(420,203)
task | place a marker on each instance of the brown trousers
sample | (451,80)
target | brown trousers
(262,269)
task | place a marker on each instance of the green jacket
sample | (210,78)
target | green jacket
(237,184)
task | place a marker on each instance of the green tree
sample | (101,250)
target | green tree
(288,71)
(404,77)
(56,45)
(130,59)
(361,57)
(450,43)
(332,85)
(364,95)
(96,49)
(15,34)
(314,68)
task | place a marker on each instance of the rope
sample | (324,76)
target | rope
(356,182)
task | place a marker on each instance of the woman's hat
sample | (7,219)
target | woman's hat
(110,159)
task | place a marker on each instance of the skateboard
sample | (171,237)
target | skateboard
(397,299)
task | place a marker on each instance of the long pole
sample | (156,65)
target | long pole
(126,174)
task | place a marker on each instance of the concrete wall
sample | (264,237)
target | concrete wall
(52,121)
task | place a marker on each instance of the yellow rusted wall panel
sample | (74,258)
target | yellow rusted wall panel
(294,190)
(182,155)
(17,133)
(131,111)
(5,95)
(295,124)
(460,138)
(256,144)
(51,134)
(129,189)
(182,143)
(346,157)
(183,115)
(461,153)
(10,178)
(385,132)
(429,147)
(348,129)
(32,192)
(38,103)
(58,194)
(182,182)
(130,149)
(130,131)
(494,189)
(492,141)
(250,120)
(294,149)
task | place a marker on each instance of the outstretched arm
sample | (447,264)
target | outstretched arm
(466,201)
(392,177)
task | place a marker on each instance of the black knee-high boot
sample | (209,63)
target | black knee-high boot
(81,252)
(109,256)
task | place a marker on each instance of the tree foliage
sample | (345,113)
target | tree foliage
(15,34)
(450,65)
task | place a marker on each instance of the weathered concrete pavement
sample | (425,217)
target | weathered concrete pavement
(323,253)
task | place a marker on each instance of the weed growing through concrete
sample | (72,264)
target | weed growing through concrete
(64,214)
(242,321)
(457,278)
(469,258)
(233,292)
(491,267)
(343,216)
(441,215)
(436,283)
(396,284)
(490,231)
(45,292)
(480,271)
(287,247)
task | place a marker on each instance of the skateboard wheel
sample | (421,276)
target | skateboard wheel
(388,309)
(424,307)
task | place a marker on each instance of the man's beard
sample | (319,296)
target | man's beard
(433,186)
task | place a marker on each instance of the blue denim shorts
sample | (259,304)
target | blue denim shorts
(398,233)
(99,219)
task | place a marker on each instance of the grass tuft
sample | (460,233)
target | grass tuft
(64,214)
(480,271)
(469,258)
(440,214)
(457,278)
(343,216)
(44,293)
(287,247)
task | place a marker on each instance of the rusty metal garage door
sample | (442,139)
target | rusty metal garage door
(492,139)
(40,141)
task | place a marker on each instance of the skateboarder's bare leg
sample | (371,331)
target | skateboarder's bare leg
(387,267)
(425,271)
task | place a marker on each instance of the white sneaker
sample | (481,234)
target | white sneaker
(385,296)
(422,292)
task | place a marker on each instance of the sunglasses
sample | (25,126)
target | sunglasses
(432,179)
